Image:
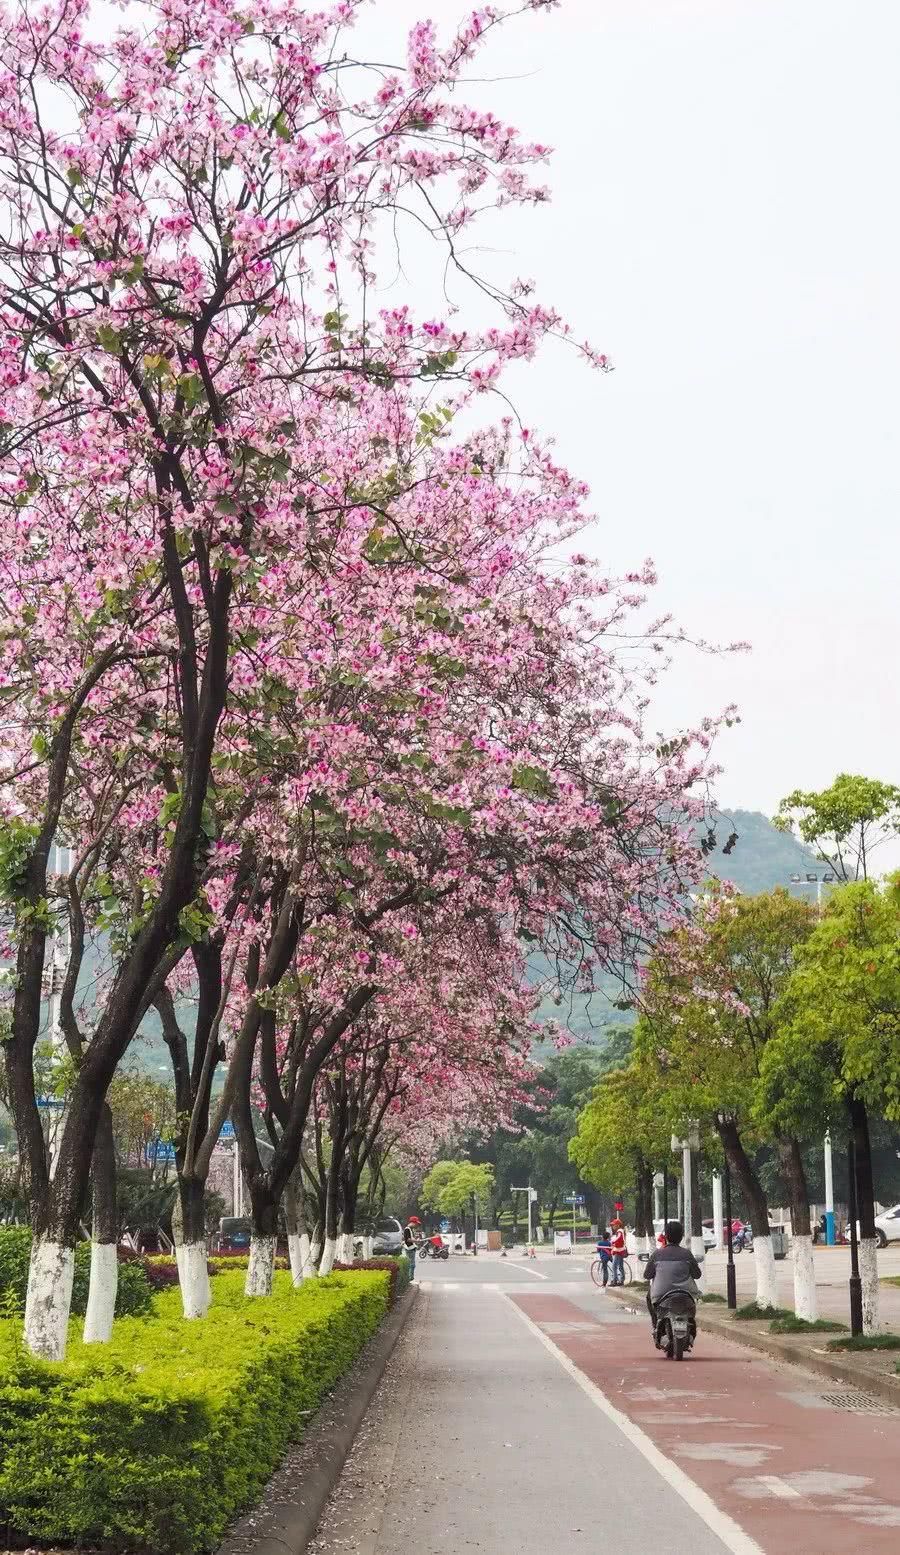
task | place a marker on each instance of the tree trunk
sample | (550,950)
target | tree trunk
(329,1248)
(263,1240)
(297,1231)
(865,1199)
(764,1258)
(189,1230)
(805,1305)
(101,1306)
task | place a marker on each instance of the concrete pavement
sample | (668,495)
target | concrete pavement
(832,1266)
(525,1411)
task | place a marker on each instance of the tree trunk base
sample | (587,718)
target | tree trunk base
(329,1253)
(193,1277)
(102,1291)
(49,1298)
(805,1303)
(868,1270)
(261,1266)
(766,1278)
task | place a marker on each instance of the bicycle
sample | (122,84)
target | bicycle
(597,1272)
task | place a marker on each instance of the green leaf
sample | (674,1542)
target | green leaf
(135,270)
(110,339)
(74,177)
(281,127)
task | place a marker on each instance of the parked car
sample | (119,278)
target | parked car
(887,1227)
(388,1237)
(233,1235)
(709,1236)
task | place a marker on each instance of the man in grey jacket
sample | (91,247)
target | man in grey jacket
(672,1267)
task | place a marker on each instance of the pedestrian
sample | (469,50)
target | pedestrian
(618,1247)
(604,1254)
(412,1236)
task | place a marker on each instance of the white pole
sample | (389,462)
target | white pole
(829,1194)
(573,1225)
(236,1180)
(717,1211)
(686,1180)
(529,1213)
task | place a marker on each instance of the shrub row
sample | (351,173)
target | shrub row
(135,1292)
(154,1441)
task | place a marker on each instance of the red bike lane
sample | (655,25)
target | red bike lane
(768,1444)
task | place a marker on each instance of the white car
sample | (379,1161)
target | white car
(887,1226)
(709,1235)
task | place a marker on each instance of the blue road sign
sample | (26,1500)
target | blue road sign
(227,1131)
(574,1198)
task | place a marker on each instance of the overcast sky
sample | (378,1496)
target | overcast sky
(725,226)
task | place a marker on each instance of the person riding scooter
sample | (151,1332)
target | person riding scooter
(669,1268)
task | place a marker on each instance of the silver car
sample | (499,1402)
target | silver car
(388,1237)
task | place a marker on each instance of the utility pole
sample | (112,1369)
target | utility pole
(829,1194)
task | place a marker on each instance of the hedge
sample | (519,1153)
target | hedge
(154,1441)
(134,1296)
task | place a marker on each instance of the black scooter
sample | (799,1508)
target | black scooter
(676,1324)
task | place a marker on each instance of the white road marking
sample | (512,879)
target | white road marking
(732,1535)
(524,1269)
(779,1487)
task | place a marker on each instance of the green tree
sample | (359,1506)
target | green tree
(711,1009)
(845,823)
(842,1013)
(621,1137)
(451,1186)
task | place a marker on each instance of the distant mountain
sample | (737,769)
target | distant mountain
(763,857)
(759,860)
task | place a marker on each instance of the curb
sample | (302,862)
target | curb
(777,1348)
(292,1502)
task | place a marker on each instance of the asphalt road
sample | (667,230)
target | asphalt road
(526,1412)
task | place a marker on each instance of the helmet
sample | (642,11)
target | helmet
(414,1220)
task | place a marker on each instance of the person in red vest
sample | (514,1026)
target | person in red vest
(618,1248)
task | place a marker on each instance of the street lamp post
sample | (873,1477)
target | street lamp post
(717,1209)
(856,1322)
(829,1194)
(665,1198)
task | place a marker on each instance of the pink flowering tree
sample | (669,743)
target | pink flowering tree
(282,658)
(186,206)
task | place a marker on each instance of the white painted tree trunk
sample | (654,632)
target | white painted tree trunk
(104,1284)
(367,1246)
(260,1266)
(307,1257)
(193,1278)
(766,1279)
(329,1251)
(805,1305)
(295,1257)
(868,1271)
(49,1298)
(345,1246)
(315,1253)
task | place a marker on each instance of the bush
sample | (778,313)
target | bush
(134,1296)
(397,1268)
(866,1342)
(799,1325)
(753,1312)
(157,1439)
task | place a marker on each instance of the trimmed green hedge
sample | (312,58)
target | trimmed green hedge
(134,1296)
(154,1441)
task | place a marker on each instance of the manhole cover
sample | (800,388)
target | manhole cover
(859,1403)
